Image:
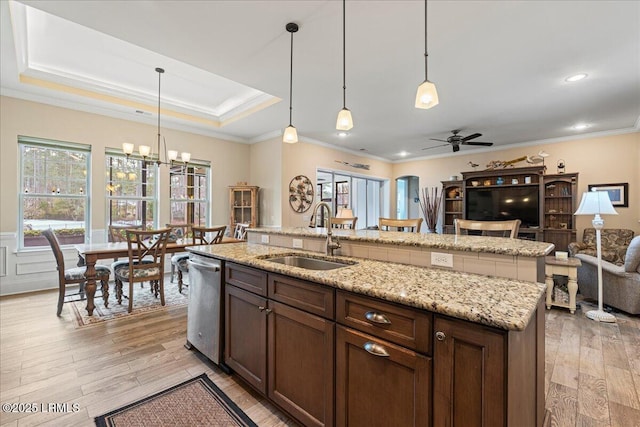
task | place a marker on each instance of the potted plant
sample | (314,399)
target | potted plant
(430,206)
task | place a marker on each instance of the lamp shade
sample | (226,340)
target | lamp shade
(144,150)
(290,135)
(127,148)
(344,122)
(596,203)
(185,157)
(427,95)
(172,155)
(345,213)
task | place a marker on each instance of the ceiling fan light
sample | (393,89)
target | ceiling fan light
(345,121)
(427,95)
(290,135)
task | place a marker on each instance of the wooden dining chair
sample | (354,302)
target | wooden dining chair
(488,228)
(343,222)
(146,262)
(200,236)
(240,231)
(72,276)
(178,231)
(392,224)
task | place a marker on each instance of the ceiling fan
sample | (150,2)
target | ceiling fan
(456,140)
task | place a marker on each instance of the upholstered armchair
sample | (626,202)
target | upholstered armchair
(620,283)
(615,242)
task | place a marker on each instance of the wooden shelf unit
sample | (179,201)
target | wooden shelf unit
(453,204)
(243,205)
(559,204)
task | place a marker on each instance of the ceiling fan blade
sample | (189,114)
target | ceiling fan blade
(472,136)
(436,139)
(435,146)
(486,144)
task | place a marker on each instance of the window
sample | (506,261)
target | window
(189,194)
(54,182)
(131,190)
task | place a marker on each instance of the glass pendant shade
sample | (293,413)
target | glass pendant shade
(127,148)
(144,150)
(290,135)
(427,95)
(172,155)
(344,122)
(185,157)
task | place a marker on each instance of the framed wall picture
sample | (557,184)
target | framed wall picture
(618,193)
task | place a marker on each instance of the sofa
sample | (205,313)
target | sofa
(620,283)
(614,242)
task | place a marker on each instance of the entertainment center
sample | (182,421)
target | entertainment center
(543,202)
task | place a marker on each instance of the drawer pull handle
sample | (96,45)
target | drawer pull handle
(374,317)
(441,336)
(268,311)
(376,349)
(261,308)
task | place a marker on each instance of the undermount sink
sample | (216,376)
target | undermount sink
(309,263)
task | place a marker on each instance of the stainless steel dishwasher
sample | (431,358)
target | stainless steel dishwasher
(204,316)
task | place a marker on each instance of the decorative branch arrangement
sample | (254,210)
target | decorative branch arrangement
(430,206)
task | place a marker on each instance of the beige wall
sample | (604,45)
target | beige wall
(31,270)
(265,161)
(599,160)
(304,159)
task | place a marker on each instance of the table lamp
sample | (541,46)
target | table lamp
(597,203)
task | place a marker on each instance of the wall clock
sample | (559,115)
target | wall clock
(300,193)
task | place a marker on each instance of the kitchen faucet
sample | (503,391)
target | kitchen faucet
(331,245)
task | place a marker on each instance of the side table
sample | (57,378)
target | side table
(563,267)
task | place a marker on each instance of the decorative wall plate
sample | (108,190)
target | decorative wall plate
(300,193)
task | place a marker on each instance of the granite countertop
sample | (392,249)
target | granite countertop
(502,303)
(496,245)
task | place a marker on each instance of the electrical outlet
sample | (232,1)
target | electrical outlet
(297,243)
(441,260)
(265,238)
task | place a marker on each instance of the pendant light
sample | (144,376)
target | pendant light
(145,150)
(345,121)
(427,95)
(290,134)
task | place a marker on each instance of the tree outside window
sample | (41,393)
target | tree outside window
(189,194)
(131,191)
(54,182)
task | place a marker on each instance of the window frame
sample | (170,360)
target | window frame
(206,201)
(27,141)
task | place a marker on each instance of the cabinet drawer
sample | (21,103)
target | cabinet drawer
(310,297)
(405,326)
(246,278)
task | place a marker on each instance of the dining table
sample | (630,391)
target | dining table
(90,253)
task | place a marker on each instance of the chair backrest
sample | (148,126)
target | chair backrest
(117,233)
(147,245)
(611,237)
(179,231)
(55,246)
(240,232)
(489,228)
(344,222)
(208,235)
(411,225)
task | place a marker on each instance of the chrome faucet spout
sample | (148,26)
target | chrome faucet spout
(331,245)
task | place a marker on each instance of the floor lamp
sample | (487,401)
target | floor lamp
(597,203)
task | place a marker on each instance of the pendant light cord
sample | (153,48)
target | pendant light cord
(344,55)
(291,82)
(160,71)
(426,55)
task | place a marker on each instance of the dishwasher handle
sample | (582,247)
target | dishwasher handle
(207,266)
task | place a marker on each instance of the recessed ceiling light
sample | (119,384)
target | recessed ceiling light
(576,77)
(343,134)
(403,154)
(580,126)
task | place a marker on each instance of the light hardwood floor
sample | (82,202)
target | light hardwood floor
(592,370)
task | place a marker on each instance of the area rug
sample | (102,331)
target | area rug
(143,302)
(196,402)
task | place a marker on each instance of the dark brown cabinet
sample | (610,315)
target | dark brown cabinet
(282,351)
(559,206)
(487,377)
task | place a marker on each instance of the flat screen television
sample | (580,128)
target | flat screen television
(504,203)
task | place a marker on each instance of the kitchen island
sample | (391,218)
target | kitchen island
(383,342)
